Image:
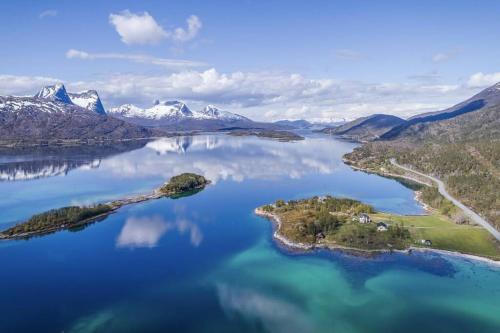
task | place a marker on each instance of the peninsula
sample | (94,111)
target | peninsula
(341,223)
(279,135)
(75,216)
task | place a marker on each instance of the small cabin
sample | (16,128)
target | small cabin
(381,226)
(426,242)
(364,218)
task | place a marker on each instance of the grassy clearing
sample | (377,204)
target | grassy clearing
(445,234)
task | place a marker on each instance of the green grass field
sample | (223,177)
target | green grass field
(445,234)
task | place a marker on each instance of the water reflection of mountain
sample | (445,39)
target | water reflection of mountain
(221,157)
(28,170)
(41,162)
(181,144)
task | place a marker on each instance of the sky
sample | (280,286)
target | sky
(270,59)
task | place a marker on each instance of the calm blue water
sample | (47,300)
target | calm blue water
(205,263)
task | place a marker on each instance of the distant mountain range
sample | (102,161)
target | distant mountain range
(365,128)
(387,127)
(175,115)
(53,114)
(294,124)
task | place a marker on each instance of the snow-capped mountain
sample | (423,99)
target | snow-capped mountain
(211,112)
(55,93)
(170,110)
(52,114)
(89,100)
(177,114)
(86,99)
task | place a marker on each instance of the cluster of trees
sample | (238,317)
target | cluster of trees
(366,236)
(470,171)
(433,198)
(183,183)
(324,222)
(318,215)
(57,218)
(328,203)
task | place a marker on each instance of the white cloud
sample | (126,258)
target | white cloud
(266,95)
(139,28)
(194,25)
(142,28)
(138,58)
(23,85)
(481,80)
(442,57)
(48,13)
(347,54)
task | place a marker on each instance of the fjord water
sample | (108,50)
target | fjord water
(206,263)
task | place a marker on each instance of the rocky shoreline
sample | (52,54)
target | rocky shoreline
(291,245)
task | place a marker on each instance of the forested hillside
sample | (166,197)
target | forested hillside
(464,152)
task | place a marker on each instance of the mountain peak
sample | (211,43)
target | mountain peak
(211,107)
(175,107)
(56,92)
(211,110)
(89,100)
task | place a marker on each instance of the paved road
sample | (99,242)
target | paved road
(442,189)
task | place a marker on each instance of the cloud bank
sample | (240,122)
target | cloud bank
(483,80)
(138,58)
(261,95)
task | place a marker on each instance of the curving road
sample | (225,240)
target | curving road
(442,189)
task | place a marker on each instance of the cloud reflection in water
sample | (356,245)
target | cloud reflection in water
(219,157)
(275,314)
(138,232)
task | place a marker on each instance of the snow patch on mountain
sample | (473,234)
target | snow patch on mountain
(15,104)
(89,100)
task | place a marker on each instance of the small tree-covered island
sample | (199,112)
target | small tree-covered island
(76,216)
(341,223)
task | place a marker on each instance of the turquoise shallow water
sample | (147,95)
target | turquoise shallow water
(206,263)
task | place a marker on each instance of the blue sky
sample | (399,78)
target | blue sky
(321,60)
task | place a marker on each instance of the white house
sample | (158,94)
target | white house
(381,226)
(426,242)
(364,218)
